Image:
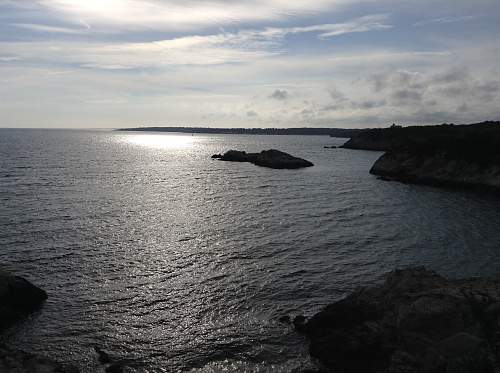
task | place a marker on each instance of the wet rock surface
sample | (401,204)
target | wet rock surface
(416,321)
(267,158)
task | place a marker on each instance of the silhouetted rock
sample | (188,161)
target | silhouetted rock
(13,361)
(446,155)
(330,147)
(18,297)
(415,322)
(216,156)
(440,169)
(266,158)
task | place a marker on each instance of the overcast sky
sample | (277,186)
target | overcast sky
(254,63)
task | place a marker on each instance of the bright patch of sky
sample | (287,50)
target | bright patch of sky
(254,63)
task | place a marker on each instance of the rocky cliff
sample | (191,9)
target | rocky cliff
(446,155)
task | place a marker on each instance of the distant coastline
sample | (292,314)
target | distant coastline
(305,131)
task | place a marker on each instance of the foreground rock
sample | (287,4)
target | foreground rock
(22,362)
(266,158)
(417,321)
(18,297)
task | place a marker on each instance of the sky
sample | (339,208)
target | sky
(253,63)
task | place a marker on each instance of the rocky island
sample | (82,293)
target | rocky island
(415,322)
(446,155)
(267,158)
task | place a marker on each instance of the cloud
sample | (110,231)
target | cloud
(244,45)
(49,29)
(407,96)
(367,23)
(9,58)
(444,20)
(188,14)
(280,94)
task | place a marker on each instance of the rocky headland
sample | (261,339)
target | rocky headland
(445,155)
(267,158)
(415,322)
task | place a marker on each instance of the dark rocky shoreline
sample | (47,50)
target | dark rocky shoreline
(415,322)
(463,156)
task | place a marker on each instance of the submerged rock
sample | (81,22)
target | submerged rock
(266,158)
(18,297)
(415,322)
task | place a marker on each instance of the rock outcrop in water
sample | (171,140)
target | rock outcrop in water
(266,158)
(446,155)
(415,322)
(18,297)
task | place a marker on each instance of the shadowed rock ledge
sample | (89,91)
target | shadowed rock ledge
(267,158)
(415,322)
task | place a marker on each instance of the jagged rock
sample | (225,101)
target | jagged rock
(18,297)
(13,361)
(415,322)
(266,158)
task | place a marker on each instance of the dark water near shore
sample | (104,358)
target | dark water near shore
(175,262)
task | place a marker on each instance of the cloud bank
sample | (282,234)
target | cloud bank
(356,63)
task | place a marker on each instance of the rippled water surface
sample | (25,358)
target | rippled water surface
(172,261)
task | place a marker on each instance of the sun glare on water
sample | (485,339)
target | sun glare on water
(162,141)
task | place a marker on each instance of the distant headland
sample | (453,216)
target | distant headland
(304,131)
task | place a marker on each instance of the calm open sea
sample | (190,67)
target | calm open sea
(172,261)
